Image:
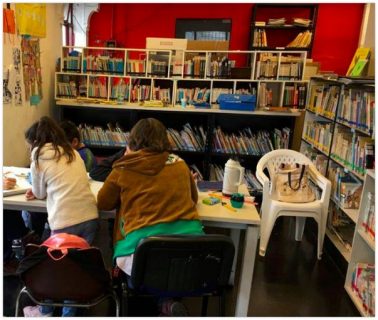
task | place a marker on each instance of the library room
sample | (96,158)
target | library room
(188,159)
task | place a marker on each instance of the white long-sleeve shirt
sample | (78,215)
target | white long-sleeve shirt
(65,186)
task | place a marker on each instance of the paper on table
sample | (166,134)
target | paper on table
(21,175)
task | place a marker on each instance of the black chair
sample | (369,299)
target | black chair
(181,266)
(80,276)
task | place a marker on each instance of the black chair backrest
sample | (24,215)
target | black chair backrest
(182,265)
(80,276)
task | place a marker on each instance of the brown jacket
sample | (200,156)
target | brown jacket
(148,188)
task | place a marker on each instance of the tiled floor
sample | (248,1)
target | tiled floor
(288,281)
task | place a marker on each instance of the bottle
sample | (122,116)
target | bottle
(18,248)
(233,177)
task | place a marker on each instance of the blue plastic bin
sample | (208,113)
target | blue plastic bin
(242,102)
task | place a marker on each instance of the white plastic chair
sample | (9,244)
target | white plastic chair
(271,209)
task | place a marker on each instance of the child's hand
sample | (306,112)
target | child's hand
(9,183)
(194,175)
(29,195)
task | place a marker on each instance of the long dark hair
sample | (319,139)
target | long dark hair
(46,130)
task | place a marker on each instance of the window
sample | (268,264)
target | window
(203,29)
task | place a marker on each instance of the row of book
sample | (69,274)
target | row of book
(71,63)
(98,136)
(319,134)
(140,93)
(67,89)
(217,173)
(193,94)
(158,67)
(162,94)
(120,91)
(97,88)
(103,64)
(290,70)
(220,68)
(195,67)
(363,285)
(354,151)
(136,66)
(368,222)
(265,96)
(302,40)
(259,38)
(266,69)
(341,226)
(188,139)
(324,99)
(250,143)
(357,109)
(295,96)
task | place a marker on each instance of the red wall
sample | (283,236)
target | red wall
(335,42)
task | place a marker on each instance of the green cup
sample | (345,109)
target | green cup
(237,200)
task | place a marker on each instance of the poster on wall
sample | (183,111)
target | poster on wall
(7,95)
(31,67)
(31,19)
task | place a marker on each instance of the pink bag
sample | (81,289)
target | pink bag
(62,242)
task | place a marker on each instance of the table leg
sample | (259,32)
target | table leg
(235,236)
(248,264)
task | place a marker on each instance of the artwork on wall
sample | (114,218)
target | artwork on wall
(31,65)
(7,95)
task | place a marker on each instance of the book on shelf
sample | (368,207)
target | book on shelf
(368,221)
(302,40)
(301,22)
(319,160)
(97,88)
(119,90)
(294,95)
(265,95)
(260,23)
(193,95)
(259,38)
(341,226)
(103,64)
(188,139)
(98,136)
(363,285)
(277,21)
(219,66)
(319,134)
(360,54)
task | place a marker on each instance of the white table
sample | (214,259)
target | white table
(246,218)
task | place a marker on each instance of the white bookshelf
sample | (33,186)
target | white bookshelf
(363,248)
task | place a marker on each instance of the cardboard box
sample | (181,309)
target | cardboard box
(166,43)
(207,45)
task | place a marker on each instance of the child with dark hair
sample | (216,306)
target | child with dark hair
(58,174)
(154,191)
(73,136)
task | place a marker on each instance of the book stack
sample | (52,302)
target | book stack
(301,22)
(260,23)
(295,96)
(302,40)
(97,136)
(252,181)
(248,143)
(97,88)
(277,22)
(319,134)
(193,95)
(136,66)
(188,139)
(355,152)
(368,222)
(357,109)
(363,285)
(216,172)
(103,64)
(259,38)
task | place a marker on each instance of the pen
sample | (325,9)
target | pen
(227,206)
